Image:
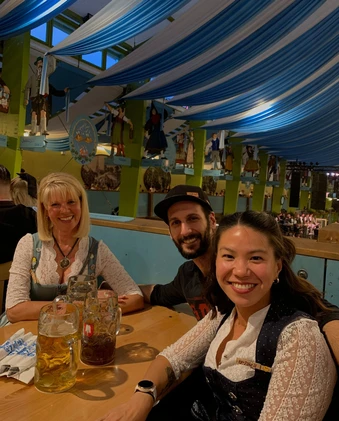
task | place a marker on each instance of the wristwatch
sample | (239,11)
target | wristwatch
(147,386)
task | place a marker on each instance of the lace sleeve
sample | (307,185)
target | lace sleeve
(303,375)
(190,350)
(19,284)
(114,273)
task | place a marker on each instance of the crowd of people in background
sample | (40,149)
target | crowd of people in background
(302,224)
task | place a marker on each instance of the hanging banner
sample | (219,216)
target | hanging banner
(83,140)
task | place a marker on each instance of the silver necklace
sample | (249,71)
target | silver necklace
(65,262)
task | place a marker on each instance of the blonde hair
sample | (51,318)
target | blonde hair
(19,191)
(68,187)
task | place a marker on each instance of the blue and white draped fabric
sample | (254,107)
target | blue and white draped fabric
(260,123)
(323,124)
(314,138)
(190,35)
(270,90)
(260,48)
(19,16)
(290,100)
(118,21)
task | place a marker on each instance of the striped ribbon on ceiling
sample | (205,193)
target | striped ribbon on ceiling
(118,21)
(269,42)
(190,35)
(287,102)
(270,90)
(326,97)
(328,115)
(18,16)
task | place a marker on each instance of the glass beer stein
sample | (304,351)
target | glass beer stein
(101,324)
(79,288)
(57,350)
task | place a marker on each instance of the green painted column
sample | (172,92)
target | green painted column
(199,154)
(259,189)
(15,74)
(131,176)
(232,186)
(279,191)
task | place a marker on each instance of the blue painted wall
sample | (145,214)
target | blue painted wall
(147,257)
(332,282)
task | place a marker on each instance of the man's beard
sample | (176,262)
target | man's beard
(205,242)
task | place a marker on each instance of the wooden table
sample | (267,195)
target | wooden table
(98,389)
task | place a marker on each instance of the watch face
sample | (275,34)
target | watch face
(147,384)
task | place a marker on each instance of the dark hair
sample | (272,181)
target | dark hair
(5,175)
(298,292)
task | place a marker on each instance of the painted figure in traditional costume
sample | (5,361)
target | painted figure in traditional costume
(39,102)
(229,160)
(190,151)
(251,163)
(118,126)
(156,143)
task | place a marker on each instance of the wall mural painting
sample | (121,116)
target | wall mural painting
(181,145)
(229,159)
(185,149)
(156,180)
(273,168)
(250,161)
(209,185)
(98,176)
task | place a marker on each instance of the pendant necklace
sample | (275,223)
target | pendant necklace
(65,262)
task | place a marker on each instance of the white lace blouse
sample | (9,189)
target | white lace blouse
(107,265)
(303,373)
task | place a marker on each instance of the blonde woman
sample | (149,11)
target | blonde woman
(24,190)
(43,262)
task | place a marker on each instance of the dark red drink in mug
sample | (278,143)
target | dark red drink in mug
(101,322)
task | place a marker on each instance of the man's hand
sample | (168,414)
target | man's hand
(25,102)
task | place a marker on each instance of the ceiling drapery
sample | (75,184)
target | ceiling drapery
(118,21)
(187,37)
(271,89)
(274,39)
(267,69)
(18,16)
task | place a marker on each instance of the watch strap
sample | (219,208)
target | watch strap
(148,393)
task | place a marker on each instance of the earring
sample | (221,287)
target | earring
(276,281)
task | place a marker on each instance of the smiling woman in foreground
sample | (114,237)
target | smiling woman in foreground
(44,262)
(263,355)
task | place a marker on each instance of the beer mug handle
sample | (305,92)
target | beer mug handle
(64,299)
(119,315)
(73,358)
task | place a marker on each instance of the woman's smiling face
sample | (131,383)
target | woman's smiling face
(64,212)
(246,267)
